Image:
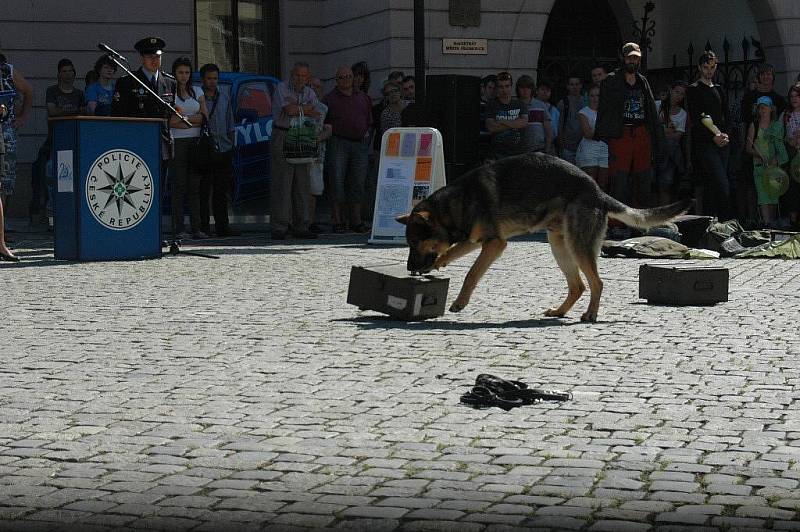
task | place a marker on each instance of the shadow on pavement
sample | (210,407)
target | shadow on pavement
(386,322)
(225,251)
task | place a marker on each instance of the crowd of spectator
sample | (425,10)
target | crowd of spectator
(642,146)
(200,178)
(646,150)
(349,128)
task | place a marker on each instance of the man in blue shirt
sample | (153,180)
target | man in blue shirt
(100,93)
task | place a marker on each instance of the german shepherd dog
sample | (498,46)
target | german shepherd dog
(519,195)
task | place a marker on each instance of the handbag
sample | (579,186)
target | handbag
(300,144)
(206,147)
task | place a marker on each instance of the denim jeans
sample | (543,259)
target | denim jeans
(349,160)
(717,197)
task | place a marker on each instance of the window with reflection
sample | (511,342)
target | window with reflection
(239,36)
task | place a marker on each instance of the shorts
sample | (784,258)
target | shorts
(592,153)
(631,153)
(670,165)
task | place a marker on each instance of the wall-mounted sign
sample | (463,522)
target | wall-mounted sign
(465,12)
(465,46)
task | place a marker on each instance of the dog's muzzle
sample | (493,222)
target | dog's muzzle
(420,263)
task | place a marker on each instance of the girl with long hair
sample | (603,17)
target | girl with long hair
(674,161)
(184,175)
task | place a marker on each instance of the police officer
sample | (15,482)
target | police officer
(131,99)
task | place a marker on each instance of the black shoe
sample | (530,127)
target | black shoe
(304,233)
(314,228)
(279,235)
(8,257)
(361,228)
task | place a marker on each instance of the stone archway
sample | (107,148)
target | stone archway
(580,34)
(773,18)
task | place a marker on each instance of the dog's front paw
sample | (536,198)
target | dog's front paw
(589,316)
(458,305)
(554,313)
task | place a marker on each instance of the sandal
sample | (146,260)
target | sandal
(8,256)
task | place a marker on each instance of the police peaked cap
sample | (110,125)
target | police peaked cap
(150,45)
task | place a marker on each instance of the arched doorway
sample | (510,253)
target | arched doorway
(579,34)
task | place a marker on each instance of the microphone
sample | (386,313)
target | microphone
(106,48)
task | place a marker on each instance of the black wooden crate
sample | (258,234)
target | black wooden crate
(683,284)
(391,289)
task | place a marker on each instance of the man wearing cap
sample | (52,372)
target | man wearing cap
(130,98)
(627,121)
(711,150)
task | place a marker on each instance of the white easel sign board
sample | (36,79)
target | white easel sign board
(411,168)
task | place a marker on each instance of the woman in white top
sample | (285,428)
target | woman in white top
(592,155)
(184,176)
(674,161)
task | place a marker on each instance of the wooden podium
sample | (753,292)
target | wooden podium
(107,199)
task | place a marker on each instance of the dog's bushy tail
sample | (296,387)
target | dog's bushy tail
(645,218)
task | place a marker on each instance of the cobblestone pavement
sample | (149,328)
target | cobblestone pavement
(245,394)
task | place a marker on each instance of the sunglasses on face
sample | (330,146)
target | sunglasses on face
(346,76)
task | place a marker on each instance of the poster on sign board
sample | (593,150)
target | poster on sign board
(411,168)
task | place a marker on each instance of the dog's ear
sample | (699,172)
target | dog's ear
(425,215)
(405,218)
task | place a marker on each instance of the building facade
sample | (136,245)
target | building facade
(536,37)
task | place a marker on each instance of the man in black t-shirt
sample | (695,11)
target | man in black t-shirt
(63,99)
(506,120)
(711,150)
(765,76)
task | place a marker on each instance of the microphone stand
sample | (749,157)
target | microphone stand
(174,243)
(116,58)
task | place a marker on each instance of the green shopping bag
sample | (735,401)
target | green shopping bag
(300,144)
